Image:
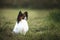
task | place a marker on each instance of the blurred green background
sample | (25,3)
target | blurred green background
(36,4)
(43,19)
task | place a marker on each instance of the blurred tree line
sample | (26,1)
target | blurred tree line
(30,3)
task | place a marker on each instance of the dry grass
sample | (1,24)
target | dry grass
(38,25)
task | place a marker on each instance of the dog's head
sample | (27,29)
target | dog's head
(22,16)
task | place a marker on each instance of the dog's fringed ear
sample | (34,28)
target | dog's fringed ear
(20,12)
(26,15)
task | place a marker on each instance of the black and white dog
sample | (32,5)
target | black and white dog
(21,25)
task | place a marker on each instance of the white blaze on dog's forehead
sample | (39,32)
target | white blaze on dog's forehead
(25,18)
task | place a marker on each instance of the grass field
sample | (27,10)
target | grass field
(37,20)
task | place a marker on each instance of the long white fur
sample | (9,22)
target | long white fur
(21,27)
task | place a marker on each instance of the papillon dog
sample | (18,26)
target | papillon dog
(21,25)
